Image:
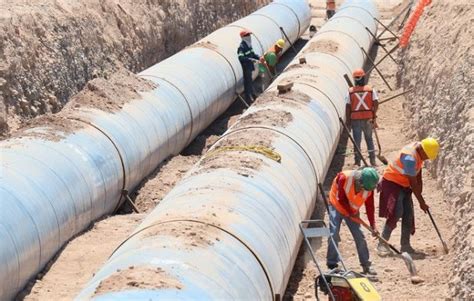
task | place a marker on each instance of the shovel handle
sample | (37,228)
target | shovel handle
(348,132)
(364,224)
(445,247)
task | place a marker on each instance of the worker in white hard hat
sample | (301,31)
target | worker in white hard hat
(400,179)
(272,56)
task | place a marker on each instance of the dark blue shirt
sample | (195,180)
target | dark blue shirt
(245,53)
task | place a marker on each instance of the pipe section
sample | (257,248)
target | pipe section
(229,229)
(56,181)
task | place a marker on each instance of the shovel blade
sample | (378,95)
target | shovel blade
(409,263)
(382,159)
(445,247)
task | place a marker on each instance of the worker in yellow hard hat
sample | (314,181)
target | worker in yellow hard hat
(272,56)
(400,179)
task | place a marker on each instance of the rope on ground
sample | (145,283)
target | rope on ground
(259,149)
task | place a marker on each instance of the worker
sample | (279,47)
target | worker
(400,179)
(330,8)
(361,110)
(247,58)
(349,191)
(272,56)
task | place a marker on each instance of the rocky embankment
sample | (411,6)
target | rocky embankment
(439,64)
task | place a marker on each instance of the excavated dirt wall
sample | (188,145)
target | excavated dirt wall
(49,49)
(439,65)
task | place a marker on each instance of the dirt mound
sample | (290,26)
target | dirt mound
(439,64)
(50,49)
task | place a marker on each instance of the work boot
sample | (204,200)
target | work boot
(373,162)
(368,270)
(408,249)
(383,250)
(332,266)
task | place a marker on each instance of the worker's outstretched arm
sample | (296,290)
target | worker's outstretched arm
(416,184)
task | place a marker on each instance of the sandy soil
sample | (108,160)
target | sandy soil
(393,279)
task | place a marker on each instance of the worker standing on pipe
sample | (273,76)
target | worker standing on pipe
(330,8)
(361,110)
(349,191)
(272,56)
(247,58)
(400,179)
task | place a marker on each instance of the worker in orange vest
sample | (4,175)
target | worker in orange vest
(272,56)
(349,191)
(400,179)
(330,8)
(361,110)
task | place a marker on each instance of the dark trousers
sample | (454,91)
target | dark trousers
(330,13)
(248,84)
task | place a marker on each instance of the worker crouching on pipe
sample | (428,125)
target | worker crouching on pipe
(247,58)
(272,56)
(400,179)
(361,110)
(349,191)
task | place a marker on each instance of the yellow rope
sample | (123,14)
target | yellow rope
(267,152)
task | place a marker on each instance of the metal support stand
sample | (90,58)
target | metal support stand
(129,201)
(395,19)
(386,28)
(243,101)
(348,132)
(291,44)
(376,69)
(380,44)
(405,18)
(395,96)
(384,57)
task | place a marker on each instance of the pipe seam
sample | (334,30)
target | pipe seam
(122,163)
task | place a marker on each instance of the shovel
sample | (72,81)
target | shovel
(445,246)
(405,256)
(379,155)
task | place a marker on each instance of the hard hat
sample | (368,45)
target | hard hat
(430,147)
(271,58)
(280,43)
(370,178)
(245,32)
(358,73)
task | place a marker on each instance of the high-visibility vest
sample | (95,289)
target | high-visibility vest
(394,171)
(362,102)
(356,200)
(331,5)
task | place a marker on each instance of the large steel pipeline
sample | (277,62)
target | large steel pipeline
(229,229)
(55,181)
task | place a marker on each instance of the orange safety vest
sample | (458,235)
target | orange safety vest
(331,5)
(394,171)
(275,50)
(356,200)
(362,103)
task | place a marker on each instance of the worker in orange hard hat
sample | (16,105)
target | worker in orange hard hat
(400,179)
(272,56)
(330,8)
(361,110)
(247,58)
